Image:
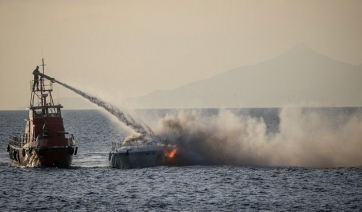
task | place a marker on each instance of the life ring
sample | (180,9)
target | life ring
(23,152)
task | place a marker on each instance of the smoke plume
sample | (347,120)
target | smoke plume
(306,138)
(133,137)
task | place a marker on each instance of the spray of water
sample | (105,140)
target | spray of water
(306,138)
(140,128)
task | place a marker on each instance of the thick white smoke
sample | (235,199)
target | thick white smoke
(133,137)
(306,138)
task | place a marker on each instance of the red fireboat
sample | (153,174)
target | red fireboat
(45,143)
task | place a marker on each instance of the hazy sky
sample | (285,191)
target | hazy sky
(122,49)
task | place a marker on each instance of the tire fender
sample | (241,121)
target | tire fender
(70,151)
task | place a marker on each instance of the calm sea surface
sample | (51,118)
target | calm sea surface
(91,185)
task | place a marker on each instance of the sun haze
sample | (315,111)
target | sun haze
(123,49)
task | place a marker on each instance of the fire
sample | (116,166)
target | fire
(171,154)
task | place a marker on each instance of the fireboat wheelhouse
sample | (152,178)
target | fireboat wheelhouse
(45,142)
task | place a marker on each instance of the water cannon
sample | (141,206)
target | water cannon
(47,77)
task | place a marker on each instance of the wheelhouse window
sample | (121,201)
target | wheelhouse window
(53,112)
(38,113)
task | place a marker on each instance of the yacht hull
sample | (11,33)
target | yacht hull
(136,159)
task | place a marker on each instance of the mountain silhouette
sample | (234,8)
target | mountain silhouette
(299,77)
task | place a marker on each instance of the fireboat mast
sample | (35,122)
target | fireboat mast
(43,99)
(45,90)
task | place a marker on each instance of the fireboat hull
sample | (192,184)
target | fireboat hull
(42,156)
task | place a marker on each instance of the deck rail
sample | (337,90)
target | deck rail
(17,139)
(137,144)
(47,85)
(21,139)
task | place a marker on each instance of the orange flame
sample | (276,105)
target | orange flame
(171,154)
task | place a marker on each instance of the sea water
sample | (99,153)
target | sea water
(90,184)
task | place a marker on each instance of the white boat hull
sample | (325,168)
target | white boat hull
(127,159)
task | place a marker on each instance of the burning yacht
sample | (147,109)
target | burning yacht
(136,152)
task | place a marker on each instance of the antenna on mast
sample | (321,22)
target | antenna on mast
(42,60)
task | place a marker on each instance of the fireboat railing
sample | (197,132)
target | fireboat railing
(17,140)
(47,85)
(22,139)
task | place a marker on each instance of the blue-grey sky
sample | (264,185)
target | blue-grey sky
(122,49)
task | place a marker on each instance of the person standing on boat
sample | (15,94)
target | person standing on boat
(36,73)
